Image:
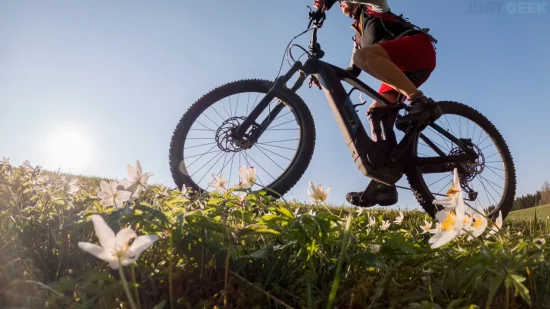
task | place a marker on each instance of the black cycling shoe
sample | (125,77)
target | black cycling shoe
(423,110)
(382,195)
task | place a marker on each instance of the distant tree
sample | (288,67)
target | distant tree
(544,194)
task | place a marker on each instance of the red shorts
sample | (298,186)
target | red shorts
(414,55)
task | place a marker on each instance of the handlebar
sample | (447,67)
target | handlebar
(317,18)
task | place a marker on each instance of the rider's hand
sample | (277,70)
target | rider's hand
(319,4)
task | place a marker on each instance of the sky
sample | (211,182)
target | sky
(114,77)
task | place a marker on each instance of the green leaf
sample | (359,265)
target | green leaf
(287,213)
(368,259)
(257,230)
(520,288)
(210,225)
(153,212)
(262,253)
(64,284)
(494,284)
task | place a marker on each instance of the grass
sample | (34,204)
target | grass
(542,211)
(218,251)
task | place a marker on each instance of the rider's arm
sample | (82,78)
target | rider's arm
(352,68)
(376,5)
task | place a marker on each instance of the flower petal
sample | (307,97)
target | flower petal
(444,237)
(132,172)
(104,186)
(104,233)
(114,264)
(142,243)
(124,236)
(95,250)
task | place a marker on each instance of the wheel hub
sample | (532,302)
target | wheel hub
(226,142)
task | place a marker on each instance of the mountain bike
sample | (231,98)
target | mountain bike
(236,135)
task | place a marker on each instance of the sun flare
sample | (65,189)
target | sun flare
(68,149)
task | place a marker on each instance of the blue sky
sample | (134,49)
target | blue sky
(116,76)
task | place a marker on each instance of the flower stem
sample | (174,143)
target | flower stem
(125,286)
(226,281)
(336,282)
(136,292)
(170,268)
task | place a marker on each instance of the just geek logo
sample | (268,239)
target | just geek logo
(508,7)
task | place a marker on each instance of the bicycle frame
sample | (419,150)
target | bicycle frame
(367,154)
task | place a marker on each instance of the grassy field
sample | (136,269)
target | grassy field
(542,212)
(247,251)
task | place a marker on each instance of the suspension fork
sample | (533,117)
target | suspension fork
(240,131)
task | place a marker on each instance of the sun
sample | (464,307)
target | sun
(68,149)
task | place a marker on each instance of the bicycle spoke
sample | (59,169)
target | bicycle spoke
(216,111)
(271,159)
(276,146)
(210,168)
(433,183)
(257,176)
(221,155)
(191,164)
(273,152)
(280,124)
(259,166)
(200,145)
(286,140)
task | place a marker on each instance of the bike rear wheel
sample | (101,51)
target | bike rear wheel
(280,156)
(493,172)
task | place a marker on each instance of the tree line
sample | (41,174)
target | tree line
(541,197)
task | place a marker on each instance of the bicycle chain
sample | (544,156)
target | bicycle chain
(405,188)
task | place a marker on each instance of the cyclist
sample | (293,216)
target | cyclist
(396,53)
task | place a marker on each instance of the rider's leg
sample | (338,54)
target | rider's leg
(387,60)
(391,96)
(380,194)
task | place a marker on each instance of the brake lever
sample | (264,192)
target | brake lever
(316,16)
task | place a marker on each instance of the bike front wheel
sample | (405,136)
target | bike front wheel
(488,183)
(201,146)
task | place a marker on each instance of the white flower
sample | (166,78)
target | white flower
(399,219)
(466,223)
(218,183)
(185,192)
(453,193)
(317,194)
(372,221)
(138,179)
(426,227)
(451,222)
(115,249)
(497,226)
(479,225)
(437,228)
(385,225)
(248,177)
(73,186)
(113,194)
(242,196)
(375,248)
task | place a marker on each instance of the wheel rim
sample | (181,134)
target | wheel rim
(208,149)
(488,176)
